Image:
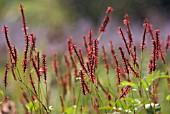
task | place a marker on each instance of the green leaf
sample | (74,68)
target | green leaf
(131,100)
(145,86)
(70,110)
(1,96)
(168,98)
(126,83)
(149,78)
(32,106)
(154,76)
(105,108)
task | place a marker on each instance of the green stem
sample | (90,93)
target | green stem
(35,95)
(77,103)
(96,89)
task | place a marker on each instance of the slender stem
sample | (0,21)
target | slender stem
(77,103)
(100,35)
(35,95)
(99,97)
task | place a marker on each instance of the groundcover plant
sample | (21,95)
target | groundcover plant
(128,79)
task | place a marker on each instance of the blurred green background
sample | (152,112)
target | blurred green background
(53,21)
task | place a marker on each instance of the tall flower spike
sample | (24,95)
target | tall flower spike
(84,86)
(55,64)
(144,36)
(5,31)
(92,69)
(90,34)
(106,65)
(32,39)
(120,32)
(127,23)
(149,29)
(106,20)
(160,51)
(135,73)
(124,60)
(81,56)
(125,92)
(23,20)
(16,55)
(78,56)
(70,49)
(13,73)
(25,61)
(44,67)
(32,83)
(5,75)
(38,60)
(154,60)
(96,51)
(85,44)
(24,94)
(167,43)
(150,66)
(67,61)
(134,57)
(36,69)
(117,69)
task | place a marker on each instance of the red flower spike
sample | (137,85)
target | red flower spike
(120,32)
(70,49)
(24,64)
(85,44)
(134,57)
(66,61)
(125,92)
(106,65)
(159,52)
(36,69)
(135,73)
(90,34)
(13,73)
(26,38)
(55,64)
(144,37)
(127,23)
(5,31)
(81,56)
(154,60)
(124,60)
(167,43)
(106,20)
(96,42)
(23,20)
(150,66)
(78,56)
(16,55)
(149,29)
(24,94)
(32,38)
(32,84)
(44,68)
(117,66)
(84,86)
(109,10)
(92,70)
(5,75)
